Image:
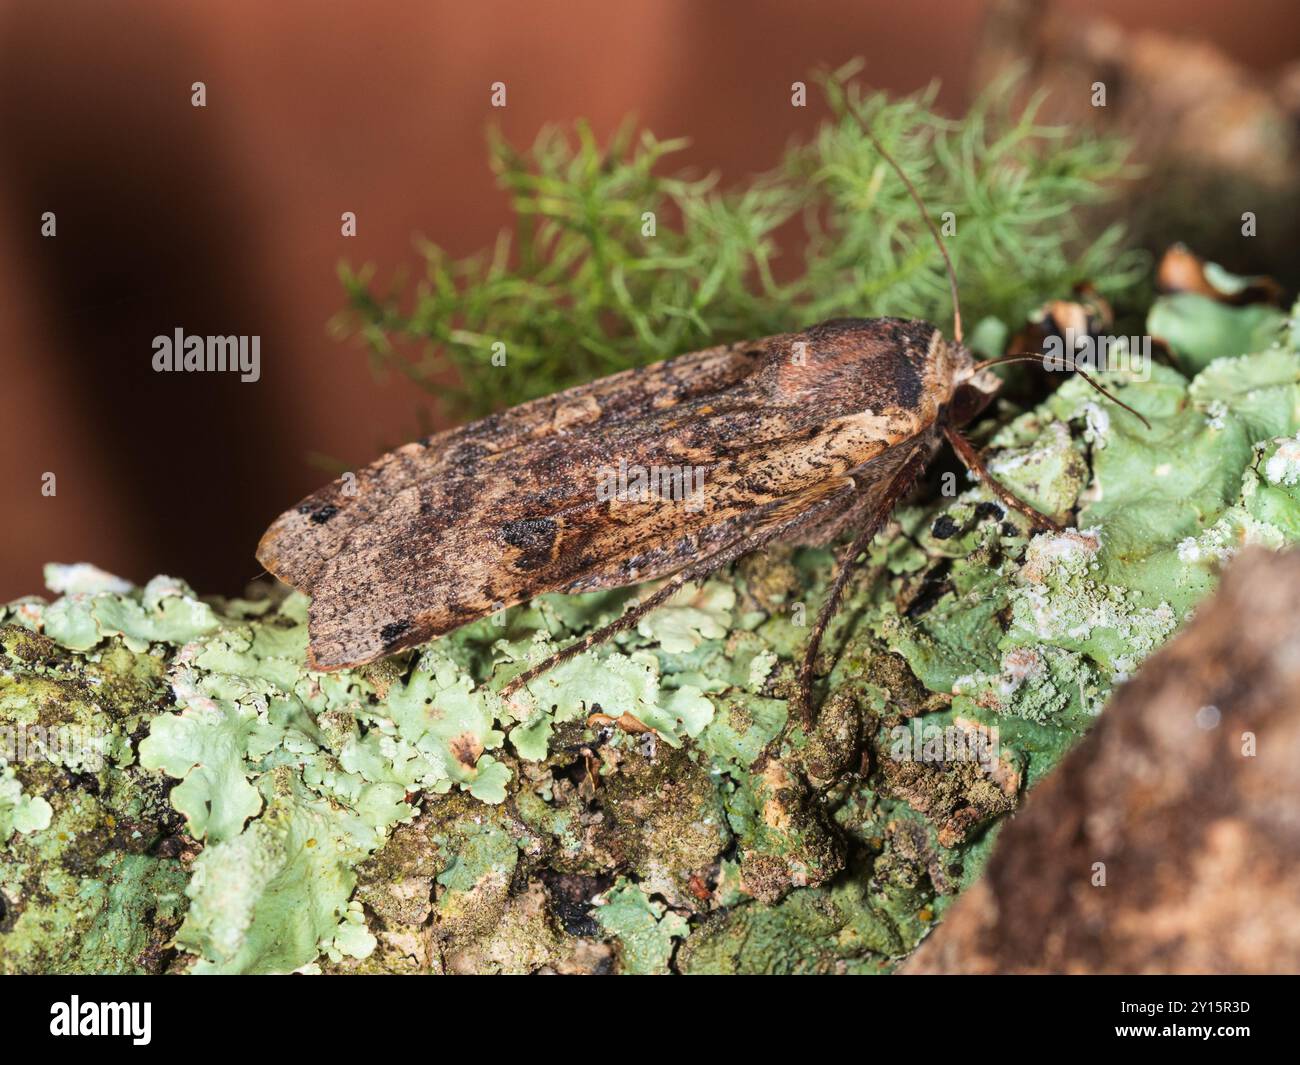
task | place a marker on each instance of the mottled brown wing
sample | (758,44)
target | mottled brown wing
(429,573)
(873,483)
(299,543)
(520,512)
(532,519)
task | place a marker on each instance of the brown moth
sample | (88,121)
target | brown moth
(797,438)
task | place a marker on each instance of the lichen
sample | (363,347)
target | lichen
(93,858)
(645,929)
(188,796)
(19,812)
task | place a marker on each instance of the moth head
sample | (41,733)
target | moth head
(973,388)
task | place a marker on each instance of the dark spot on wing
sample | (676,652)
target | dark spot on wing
(910,342)
(530,534)
(391,632)
(533,537)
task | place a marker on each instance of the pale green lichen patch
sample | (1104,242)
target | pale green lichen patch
(1198,329)
(610,683)
(645,929)
(432,732)
(271,898)
(92,870)
(653,804)
(205,747)
(19,812)
(742,728)
(164,611)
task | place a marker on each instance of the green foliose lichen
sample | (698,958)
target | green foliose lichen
(179,792)
(645,929)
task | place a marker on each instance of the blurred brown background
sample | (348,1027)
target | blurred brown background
(226,219)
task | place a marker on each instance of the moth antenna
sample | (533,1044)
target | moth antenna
(934,230)
(1112,397)
(1023,356)
(1030,357)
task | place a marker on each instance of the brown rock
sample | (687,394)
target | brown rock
(1185,800)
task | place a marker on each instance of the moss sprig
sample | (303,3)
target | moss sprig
(578,286)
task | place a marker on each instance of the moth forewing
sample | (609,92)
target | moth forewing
(300,541)
(453,546)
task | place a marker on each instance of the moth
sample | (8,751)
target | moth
(795,438)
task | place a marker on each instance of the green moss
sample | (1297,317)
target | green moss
(614,261)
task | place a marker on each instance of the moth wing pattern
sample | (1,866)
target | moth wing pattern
(301,540)
(773,436)
(873,484)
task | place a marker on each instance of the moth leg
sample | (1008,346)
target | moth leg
(697,572)
(896,489)
(971,460)
(625,620)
